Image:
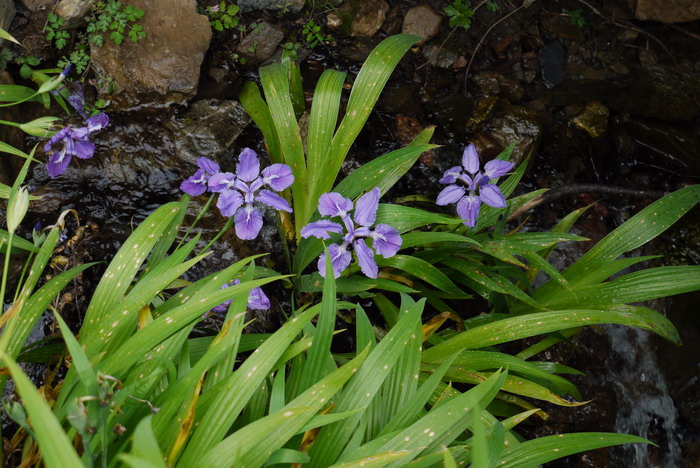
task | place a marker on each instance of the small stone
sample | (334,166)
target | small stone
(358,18)
(293,6)
(561,26)
(619,68)
(422,21)
(72,11)
(593,119)
(260,44)
(439,56)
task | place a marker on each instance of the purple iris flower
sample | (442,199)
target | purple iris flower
(257,299)
(75,142)
(386,240)
(478,185)
(239,191)
(197,184)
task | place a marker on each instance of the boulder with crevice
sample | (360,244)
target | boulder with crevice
(423,21)
(160,69)
(358,18)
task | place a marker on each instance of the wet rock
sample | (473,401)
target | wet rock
(516,125)
(495,84)
(400,99)
(677,11)
(72,11)
(260,44)
(552,57)
(561,26)
(7,14)
(422,21)
(647,57)
(593,119)
(34,5)
(208,129)
(162,68)
(440,56)
(358,17)
(293,6)
(664,93)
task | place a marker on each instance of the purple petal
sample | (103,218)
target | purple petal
(220,181)
(228,203)
(274,200)
(468,209)
(497,168)
(258,300)
(334,204)
(221,308)
(366,208)
(248,222)
(470,159)
(492,196)
(192,188)
(97,122)
(83,149)
(248,167)
(450,176)
(321,229)
(209,166)
(278,176)
(340,259)
(58,163)
(387,240)
(365,257)
(450,194)
(58,136)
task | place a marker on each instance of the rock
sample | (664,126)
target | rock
(593,119)
(208,129)
(35,5)
(518,126)
(665,93)
(552,57)
(561,26)
(358,17)
(440,56)
(674,11)
(260,44)
(422,21)
(72,11)
(495,84)
(7,14)
(162,68)
(293,6)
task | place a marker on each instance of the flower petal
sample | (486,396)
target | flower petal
(386,240)
(321,229)
(228,203)
(83,149)
(340,259)
(220,181)
(366,208)
(97,122)
(468,209)
(248,167)
(58,163)
(497,168)
(278,176)
(450,176)
(209,166)
(470,159)
(248,222)
(194,185)
(258,300)
(450,194)
(274,200)
(334,204)
(492,196)
(365,258)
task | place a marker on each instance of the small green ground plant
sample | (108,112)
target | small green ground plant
(143,390)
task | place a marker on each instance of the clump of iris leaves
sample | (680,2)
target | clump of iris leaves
(424,390)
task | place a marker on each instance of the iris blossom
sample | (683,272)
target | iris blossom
(75,142)
(257,299)
(386,240)
(239,191)
(474,186)
(197,184)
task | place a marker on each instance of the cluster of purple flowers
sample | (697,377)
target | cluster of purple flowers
(479,186)
(386,240)
(257,299)
(238,192)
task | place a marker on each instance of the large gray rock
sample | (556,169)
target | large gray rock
(360,18)
(163,67)
(667,11)
(260,44)
(293,6)
(73,11)
(422,21)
